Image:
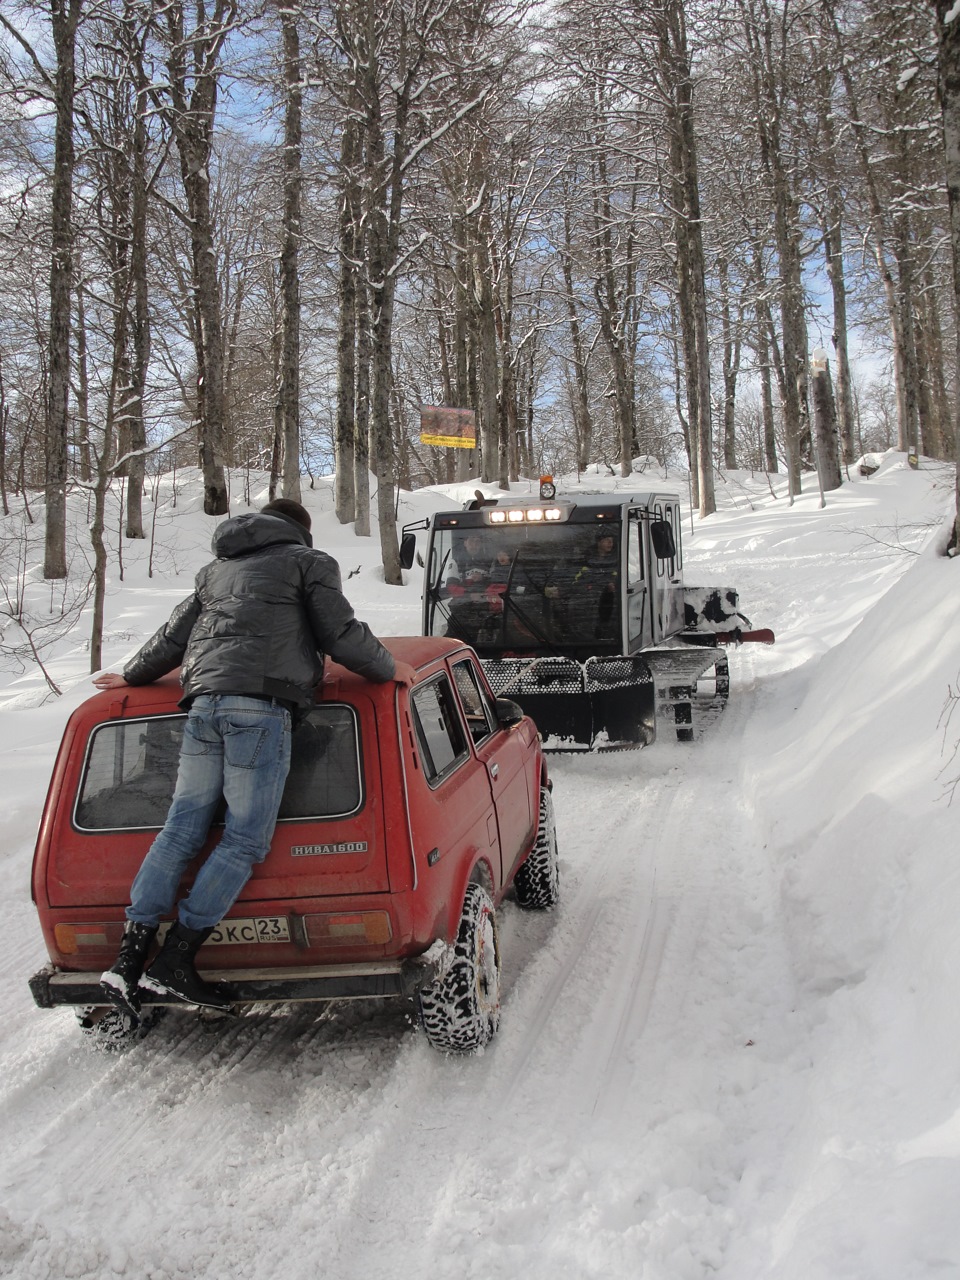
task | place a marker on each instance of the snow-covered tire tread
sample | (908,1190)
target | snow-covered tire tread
(106,1027)
(460,1011)
(537,882)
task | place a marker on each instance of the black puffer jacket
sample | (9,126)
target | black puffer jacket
(261,618)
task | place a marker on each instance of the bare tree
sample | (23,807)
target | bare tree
(289,392)
(188,102)
(948,66)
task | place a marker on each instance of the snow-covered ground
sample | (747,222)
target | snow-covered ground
(733,1051)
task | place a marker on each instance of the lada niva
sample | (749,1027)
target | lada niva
(407,816)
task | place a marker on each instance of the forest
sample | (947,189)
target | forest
(259,237)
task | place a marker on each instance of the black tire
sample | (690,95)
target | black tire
(537,882)
(460,1012)
(105,1027)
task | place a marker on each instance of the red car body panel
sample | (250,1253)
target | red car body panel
(393,874)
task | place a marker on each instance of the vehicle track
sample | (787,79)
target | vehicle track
(564,953)
(342,1140)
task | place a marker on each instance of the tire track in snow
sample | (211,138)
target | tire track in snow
(591,902)
(615,1075)
(588,906)
(468,1100)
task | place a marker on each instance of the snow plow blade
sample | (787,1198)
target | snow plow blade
(613,703)
(602,704)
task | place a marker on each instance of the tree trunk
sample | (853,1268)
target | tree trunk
(933,337)
(827,440)
(833,252)
(140,319)
(83,393)
(4,428)
(491,460)
(194,104)
(582,418)
(906,347)
(764,323)
(361,446)
(675,69)
(758,31)
(345,441)
(865,147)
(929,443)
(611,294)
(948,83)
(832,228)
(289,255)
(97,526)
(65,15)
(731,368)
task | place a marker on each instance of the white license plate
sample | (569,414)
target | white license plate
(252,929)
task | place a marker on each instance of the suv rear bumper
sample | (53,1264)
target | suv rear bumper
(52,987)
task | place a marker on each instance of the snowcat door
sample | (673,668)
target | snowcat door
(637,604)
(666,562)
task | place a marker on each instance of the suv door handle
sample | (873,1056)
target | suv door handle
(494,771)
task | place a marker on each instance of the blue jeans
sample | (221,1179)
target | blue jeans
(234,747)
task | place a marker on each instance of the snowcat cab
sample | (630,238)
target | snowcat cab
(578,611)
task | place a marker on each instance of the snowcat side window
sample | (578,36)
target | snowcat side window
(670,538)
(635,568)
(677,522)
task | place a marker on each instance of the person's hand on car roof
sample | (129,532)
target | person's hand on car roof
(109,680)
(405,673)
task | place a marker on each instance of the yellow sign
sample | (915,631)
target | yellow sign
(448,428)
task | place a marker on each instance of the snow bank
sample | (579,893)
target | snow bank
(854,791)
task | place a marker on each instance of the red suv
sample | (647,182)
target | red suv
(407,815)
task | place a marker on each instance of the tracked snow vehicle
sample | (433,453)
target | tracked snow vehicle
(577,608)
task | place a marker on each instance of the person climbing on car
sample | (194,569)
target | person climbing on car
(250,643)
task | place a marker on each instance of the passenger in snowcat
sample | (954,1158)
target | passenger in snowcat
(469,607)
(583,593)
(596,582)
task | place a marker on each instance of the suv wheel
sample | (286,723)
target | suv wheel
(461,1010)
(537,882)
(108,1028)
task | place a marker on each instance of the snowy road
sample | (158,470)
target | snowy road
(594,1126)
(730,1054)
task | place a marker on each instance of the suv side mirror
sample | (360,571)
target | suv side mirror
(508,713)
(661,535)
(408,546)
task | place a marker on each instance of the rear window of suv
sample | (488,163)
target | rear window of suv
(131,769)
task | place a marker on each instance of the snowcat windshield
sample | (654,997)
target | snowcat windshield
(526,588)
